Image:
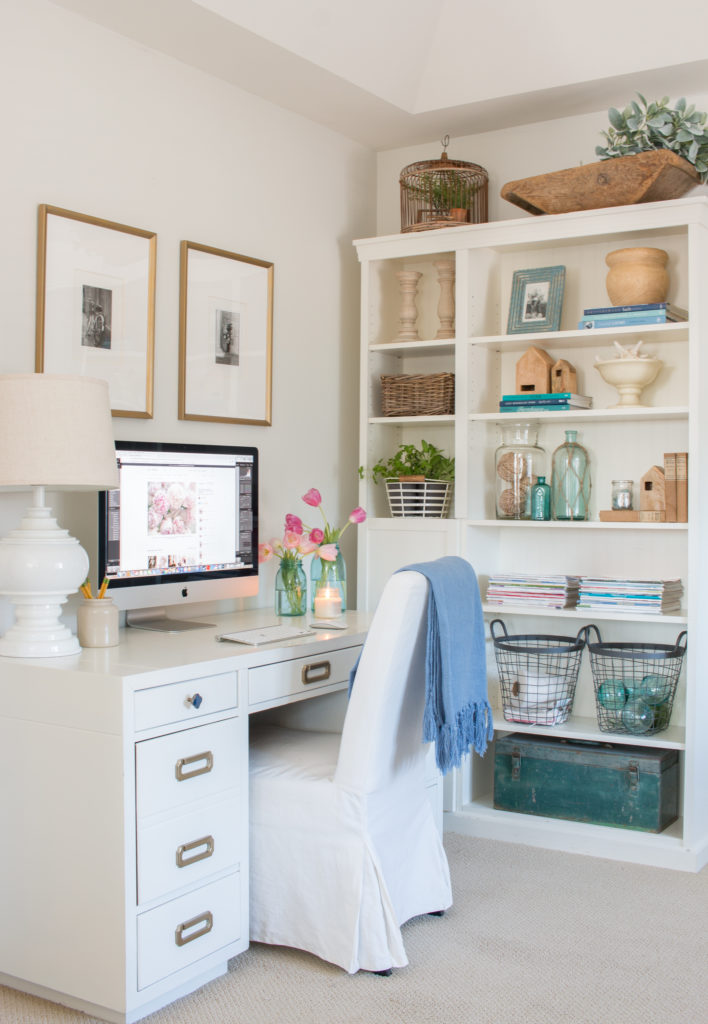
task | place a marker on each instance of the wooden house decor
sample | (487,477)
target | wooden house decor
(652,496)
(533,372)
(563,377)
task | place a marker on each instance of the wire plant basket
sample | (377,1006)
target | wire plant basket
(538,674)
(635,684)
(417,497)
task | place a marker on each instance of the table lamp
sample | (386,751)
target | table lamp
(56,433)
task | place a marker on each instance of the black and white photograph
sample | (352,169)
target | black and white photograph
(228,330)
(96,304)
(226,336)
(96,316)
(536,300)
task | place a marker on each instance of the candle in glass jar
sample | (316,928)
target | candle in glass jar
(328,602)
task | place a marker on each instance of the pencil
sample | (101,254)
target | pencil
(85,589)
(104,587)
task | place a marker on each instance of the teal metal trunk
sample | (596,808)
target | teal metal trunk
(601,783)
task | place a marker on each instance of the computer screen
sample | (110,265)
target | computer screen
(181,526)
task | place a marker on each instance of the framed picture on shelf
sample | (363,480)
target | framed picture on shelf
(96,305)
(226,336)
(536,300)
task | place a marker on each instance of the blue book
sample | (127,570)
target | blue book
(587,323)
(614,310)
(525,396)
(528,406)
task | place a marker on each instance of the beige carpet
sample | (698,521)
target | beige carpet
(534,937)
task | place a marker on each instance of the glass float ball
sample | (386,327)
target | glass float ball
(612,694)
(637,716)
(654,690)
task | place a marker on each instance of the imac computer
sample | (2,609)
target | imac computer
(181,527)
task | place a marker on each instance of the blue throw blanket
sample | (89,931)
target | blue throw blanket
(457,713)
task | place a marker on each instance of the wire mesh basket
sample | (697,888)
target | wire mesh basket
(418,394)
(417,497)
(635,684)
(538,674)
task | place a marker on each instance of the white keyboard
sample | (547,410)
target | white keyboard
(266,634)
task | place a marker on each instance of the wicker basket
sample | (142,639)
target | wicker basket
(418,394)
(418,497)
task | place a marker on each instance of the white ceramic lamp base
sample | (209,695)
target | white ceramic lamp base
(40,565)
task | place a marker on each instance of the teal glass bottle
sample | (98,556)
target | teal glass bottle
(541,500)
(570,480)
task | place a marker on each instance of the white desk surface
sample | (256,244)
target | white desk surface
(142,655)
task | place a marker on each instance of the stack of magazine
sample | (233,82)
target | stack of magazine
(648,597)
(533,590)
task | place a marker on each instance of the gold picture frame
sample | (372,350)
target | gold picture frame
(96,304)
(225,336)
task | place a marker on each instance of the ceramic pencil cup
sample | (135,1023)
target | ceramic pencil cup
(97,623)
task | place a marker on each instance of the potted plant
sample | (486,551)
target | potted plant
(653,152)
(443,195)
(418,480)
(651,126)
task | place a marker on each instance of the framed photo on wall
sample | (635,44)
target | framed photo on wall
(536,300)
(226,336)
(96,305)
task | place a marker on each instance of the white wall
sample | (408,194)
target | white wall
(98,124)
(507,155)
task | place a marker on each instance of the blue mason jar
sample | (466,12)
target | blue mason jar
(570,480)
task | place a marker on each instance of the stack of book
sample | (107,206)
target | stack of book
(648,597)
(533,590)
(632,316)
(676,487)
(528,402)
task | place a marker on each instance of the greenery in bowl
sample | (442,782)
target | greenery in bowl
(427,461)
(639,128)
(444,190)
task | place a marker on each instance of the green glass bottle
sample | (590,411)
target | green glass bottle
(570,480)
(541,500)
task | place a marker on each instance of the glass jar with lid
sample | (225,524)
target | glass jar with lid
(518,461)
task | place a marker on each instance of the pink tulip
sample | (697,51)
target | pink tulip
(358,515)
(293,523)
(306,546)
(291,539)
(265,552)
(316,535)
(313,497)
(328,552)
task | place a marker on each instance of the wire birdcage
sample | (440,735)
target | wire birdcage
(442,193)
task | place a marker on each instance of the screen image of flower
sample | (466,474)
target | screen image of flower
(171,508)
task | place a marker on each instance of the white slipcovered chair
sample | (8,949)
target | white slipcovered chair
(344,847)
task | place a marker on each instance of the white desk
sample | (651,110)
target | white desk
(124,808)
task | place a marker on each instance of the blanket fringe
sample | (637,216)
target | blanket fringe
(473,727)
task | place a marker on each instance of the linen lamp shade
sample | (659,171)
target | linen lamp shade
(55,432)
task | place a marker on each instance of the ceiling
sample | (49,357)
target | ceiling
(390,73)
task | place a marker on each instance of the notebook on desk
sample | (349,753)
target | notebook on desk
(266,634)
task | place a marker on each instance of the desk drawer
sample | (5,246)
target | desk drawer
(184,850)
(179,702)
(194,764)
(301,675)
(186,929)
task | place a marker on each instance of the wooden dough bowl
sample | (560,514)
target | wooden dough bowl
(641,178)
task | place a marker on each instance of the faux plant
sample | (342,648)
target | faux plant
(427,461)
(639,128)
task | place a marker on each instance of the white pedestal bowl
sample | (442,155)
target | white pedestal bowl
(629,376)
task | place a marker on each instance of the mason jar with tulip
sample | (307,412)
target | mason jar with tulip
(290,580)
(328,573)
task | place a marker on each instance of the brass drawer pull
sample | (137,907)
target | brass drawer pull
(317,672)
(207,757)
(207,842)
(207,922)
